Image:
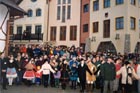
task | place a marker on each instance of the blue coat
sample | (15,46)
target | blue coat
(71,62)
(74,74)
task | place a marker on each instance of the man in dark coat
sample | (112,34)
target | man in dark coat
(0,71)
(3,62)
(108,72)
(82,68)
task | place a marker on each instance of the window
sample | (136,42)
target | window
(59,2)
(95,27)
(28,29)
(86,8)
(63,13)
(132,23)
(133,2)
(85,28)
(119,23)
(53,34)
(11,30)
(38,29)
(63,33)
(38,12)
(118,2)
(96,5)
(30,13)
(33,0)
(69,1)
(106,3)
(69,12)
(73,32)
(58,12)
(64,1)
(19,30)
(106,28)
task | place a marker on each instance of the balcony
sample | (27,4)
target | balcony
(27,37)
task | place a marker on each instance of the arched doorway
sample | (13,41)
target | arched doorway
(107,47)
(137,48)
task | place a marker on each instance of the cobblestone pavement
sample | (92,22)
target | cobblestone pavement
(39,89)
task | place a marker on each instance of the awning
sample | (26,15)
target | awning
(14,8)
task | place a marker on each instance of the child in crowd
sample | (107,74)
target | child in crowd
(38,76)
(73,76)
(64,74)
(57,76)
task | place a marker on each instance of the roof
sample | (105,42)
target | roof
(14,8)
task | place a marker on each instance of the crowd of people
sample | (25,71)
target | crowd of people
(59,66)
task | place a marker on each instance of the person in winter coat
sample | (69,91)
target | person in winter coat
(73,76)
(108,72)
(90,78)
(64,74)
(29,74)
(82,68)
(38,76)
(138,73)
(45,69)
(53,64)
(36,51)
(19,70)
(4,62)
(117,79)
(73,61)
(127,72)
(57,76)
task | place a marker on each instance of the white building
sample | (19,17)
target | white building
(64,22)
(32,29)
(114,25)
(57,24)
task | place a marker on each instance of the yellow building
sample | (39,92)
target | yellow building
(64,22)
(114,25)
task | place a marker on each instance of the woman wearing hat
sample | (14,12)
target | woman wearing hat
(29,74)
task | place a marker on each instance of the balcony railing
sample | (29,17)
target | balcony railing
(27,37)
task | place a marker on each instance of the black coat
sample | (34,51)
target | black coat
(4,63)
(82,72)
(12,65)
(108,71)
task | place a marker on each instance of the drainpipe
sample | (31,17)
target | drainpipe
(80,20)
(48,19)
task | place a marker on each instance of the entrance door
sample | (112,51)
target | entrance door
(107,47)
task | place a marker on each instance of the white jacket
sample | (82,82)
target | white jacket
(123,72)
(46,68)
(138,70)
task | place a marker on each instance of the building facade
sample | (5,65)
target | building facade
(97,25)
(57,23)
(8,8)
(114,25)
(64,24)
(32,28)
(85,22)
